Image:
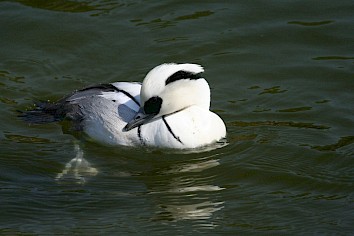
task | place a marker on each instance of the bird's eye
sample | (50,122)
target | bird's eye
(153,105)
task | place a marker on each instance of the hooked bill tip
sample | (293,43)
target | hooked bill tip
(126,128)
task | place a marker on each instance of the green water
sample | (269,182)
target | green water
(282,78)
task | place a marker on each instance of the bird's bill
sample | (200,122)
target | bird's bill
(140,118)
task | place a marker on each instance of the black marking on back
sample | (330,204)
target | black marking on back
(110,88)
(170,130)
(183,75)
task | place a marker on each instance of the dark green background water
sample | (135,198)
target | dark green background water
(282,78)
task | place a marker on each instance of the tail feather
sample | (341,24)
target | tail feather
(68,107)
(44,112)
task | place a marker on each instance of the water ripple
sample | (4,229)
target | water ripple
(279,123)
(311,23)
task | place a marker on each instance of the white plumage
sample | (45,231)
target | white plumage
(170,109)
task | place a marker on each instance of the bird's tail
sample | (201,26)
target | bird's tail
(43,112)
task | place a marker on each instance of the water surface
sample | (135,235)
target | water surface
(281,74)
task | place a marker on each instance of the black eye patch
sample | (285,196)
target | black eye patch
(183,75)
(153,105)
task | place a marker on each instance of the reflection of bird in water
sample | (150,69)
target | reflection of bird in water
(197,211)
(186,192)
(77,168)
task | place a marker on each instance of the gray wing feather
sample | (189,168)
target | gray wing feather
(70,107)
